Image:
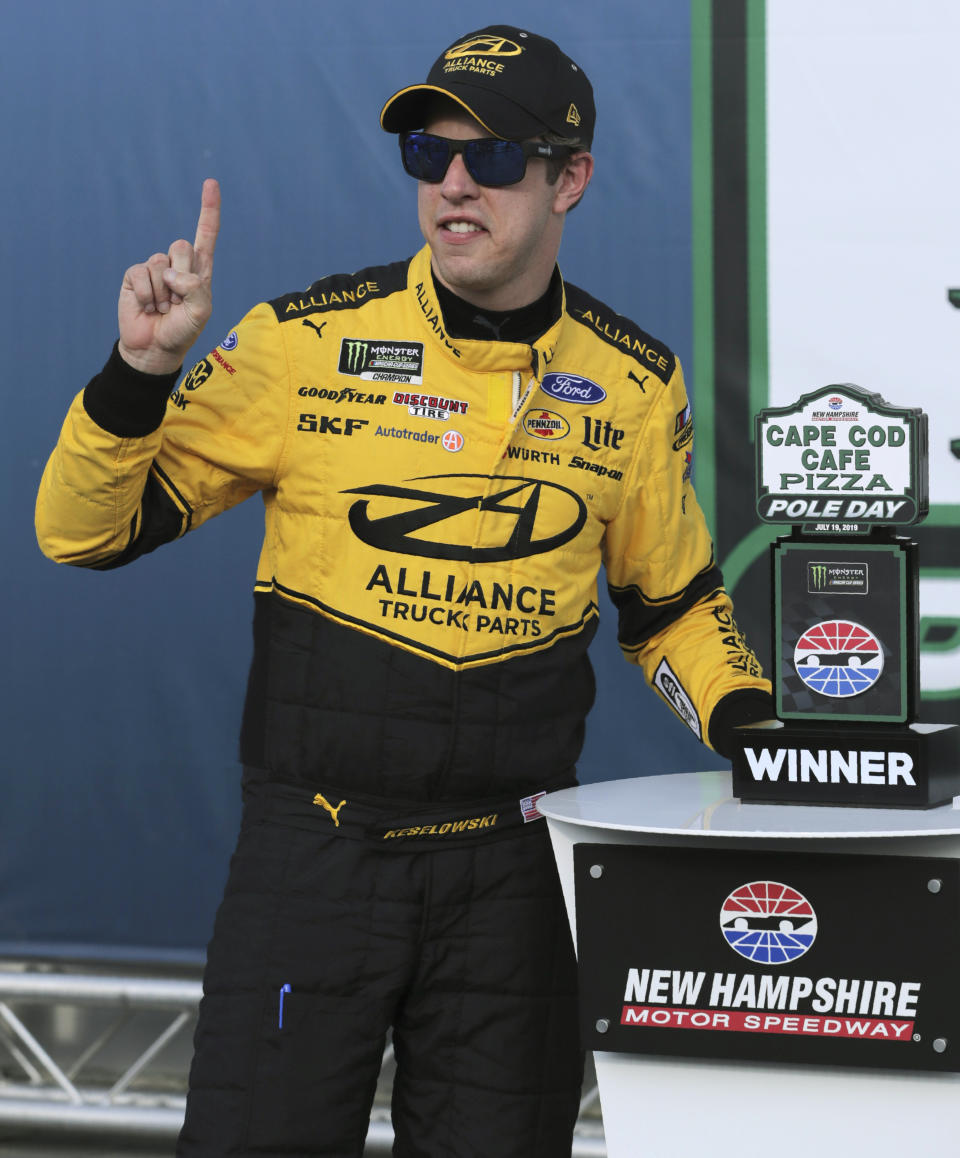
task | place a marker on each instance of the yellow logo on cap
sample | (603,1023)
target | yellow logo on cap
(573,116)
(484,46)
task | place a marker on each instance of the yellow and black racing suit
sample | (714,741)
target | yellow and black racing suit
(436,513)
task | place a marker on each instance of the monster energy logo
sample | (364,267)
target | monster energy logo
(381,360)
(353,355)
(848,578)
(818,576)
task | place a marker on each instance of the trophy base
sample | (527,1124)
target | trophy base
(885,766)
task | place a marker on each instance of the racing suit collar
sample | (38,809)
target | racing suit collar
(484,355)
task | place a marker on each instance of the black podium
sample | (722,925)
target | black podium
(763,978)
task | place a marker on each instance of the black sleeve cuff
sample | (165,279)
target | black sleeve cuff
(747,706)
(126,402)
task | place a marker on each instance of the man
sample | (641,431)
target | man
(447,448)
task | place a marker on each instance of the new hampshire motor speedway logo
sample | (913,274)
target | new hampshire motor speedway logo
(838,658)
(768,922)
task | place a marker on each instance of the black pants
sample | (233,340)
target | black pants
(465,951)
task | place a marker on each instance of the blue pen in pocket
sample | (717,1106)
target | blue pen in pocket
(284,989)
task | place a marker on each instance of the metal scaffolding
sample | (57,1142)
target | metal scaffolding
(104,1052)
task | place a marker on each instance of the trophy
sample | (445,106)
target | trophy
(844,469)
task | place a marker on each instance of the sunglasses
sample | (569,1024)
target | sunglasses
(488,160)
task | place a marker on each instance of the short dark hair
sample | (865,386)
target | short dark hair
(556,165)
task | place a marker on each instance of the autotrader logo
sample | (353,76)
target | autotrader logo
(768,922)
(516,517)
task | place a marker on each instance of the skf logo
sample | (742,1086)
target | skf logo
(767,922)
(838,658)
(483,46)
(521,517)
(325,425)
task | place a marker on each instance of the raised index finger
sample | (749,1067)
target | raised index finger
(208,226)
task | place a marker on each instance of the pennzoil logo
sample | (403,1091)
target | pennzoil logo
(522,517)
(381,361)
(483,46)
(546,424)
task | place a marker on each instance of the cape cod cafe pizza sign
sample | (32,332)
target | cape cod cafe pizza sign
(840,461)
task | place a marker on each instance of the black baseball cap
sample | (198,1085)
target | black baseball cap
(516,84)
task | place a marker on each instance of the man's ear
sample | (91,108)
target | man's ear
(573,181)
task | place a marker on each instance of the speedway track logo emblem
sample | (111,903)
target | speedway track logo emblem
(768,923)
(517,517)
(838,658)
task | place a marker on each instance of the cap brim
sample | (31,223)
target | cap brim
(407,109)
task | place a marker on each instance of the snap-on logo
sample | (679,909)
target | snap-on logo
(572,388)
(767,922)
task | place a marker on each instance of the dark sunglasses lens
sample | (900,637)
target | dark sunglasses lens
(492,162)
(425,157)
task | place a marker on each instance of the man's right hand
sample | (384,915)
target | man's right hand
(166,301)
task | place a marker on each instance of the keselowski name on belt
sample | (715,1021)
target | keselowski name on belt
(447,827)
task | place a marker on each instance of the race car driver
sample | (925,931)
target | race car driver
(447,448)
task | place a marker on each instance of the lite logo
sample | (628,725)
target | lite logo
(515,510)
(768,922)
(838,658)
(597,433)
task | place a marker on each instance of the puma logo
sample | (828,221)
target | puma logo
(313,326)
(325,804)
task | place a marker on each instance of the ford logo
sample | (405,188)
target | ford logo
(572,388)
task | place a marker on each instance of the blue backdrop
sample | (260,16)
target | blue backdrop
(123,689)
